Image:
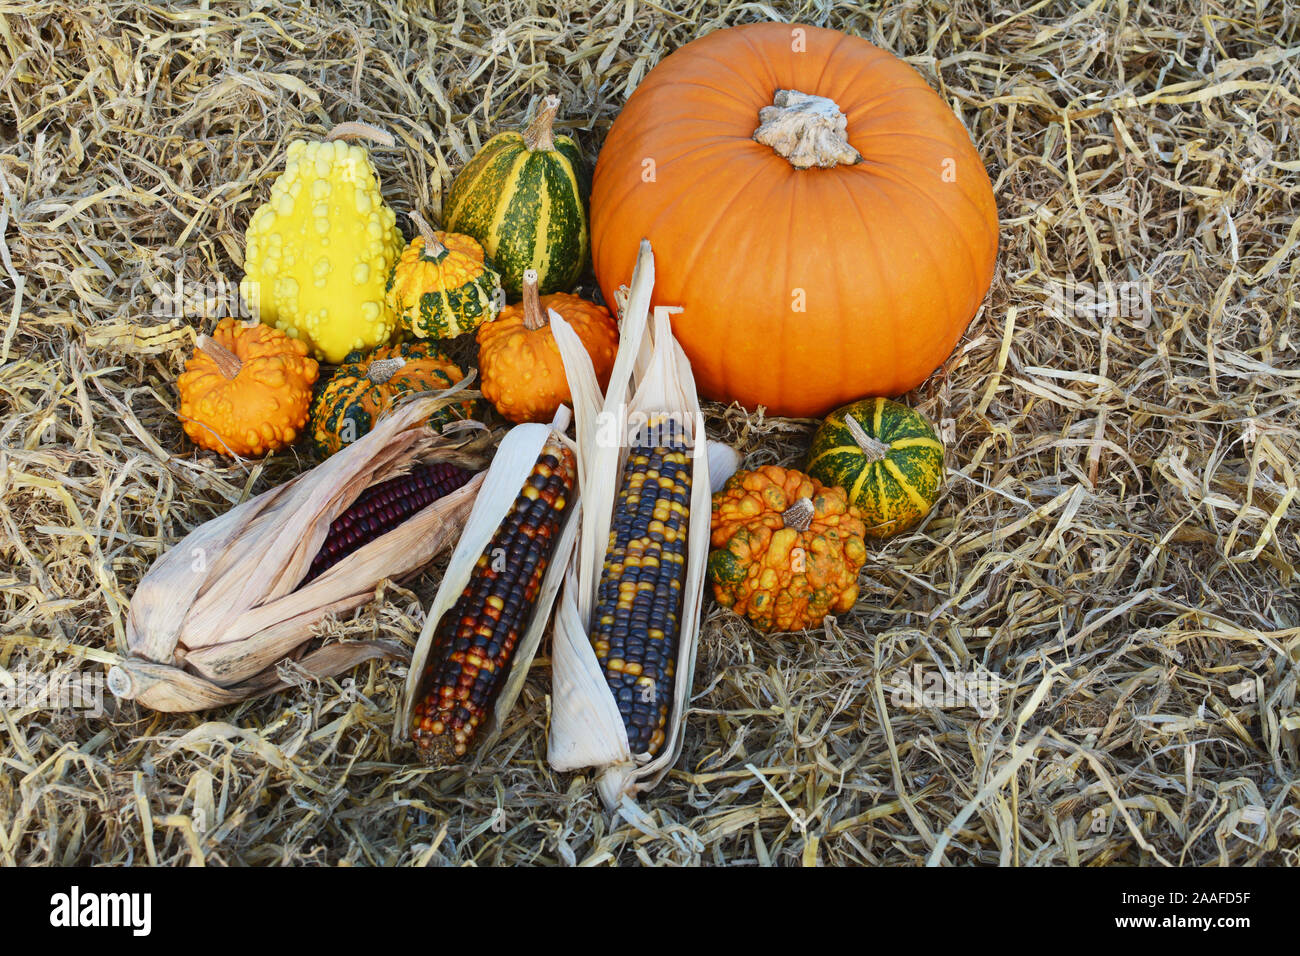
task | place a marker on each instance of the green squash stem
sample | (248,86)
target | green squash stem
(432,247)
(873,449)
(538,135)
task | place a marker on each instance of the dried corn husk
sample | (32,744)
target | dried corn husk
(217,612)
(511,465)
(651,376)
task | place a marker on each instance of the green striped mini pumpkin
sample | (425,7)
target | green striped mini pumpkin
(887,458)
(523,197)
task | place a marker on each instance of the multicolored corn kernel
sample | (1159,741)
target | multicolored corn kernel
(637,622)
(475,641)
(381,508)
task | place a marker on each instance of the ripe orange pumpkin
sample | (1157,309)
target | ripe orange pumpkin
(824,246)
(519,361)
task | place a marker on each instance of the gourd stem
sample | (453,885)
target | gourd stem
(539,135)
(534,317)
(226,361)
(381,370)
(806,130)
(873,449)
(358,130)
(799,515)
(432,247)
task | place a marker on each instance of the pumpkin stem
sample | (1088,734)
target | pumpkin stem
(226,361)
(539,134)
(534,317)
(381,370)
(872,448)
(359,130)
(806,130)
(432,247)
(799,515)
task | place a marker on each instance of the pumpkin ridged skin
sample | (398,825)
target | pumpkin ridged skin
(443,294)
(264,407)
(351,402)
(888,259)
(527,208)
(520,368)
(896,492)
(754,568)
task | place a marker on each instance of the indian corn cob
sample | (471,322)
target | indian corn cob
(638,610)
(476,638)
(382,507)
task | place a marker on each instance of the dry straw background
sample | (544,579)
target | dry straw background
(1117,542)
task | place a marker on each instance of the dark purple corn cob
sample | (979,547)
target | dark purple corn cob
(382,507)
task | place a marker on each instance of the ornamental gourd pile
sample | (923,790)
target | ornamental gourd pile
(824,230)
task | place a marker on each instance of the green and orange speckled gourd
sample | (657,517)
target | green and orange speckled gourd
(786,549)
(365,386)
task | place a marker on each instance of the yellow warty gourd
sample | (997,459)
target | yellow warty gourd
(318,253)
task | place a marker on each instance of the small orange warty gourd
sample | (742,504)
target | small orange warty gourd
(786,549)
(818,211)
(519,361)
(246,390)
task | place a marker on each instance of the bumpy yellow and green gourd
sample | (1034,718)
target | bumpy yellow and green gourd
(318,253)
(442,286)
(887,458)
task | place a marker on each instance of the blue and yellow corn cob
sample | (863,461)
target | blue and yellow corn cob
(638,606)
